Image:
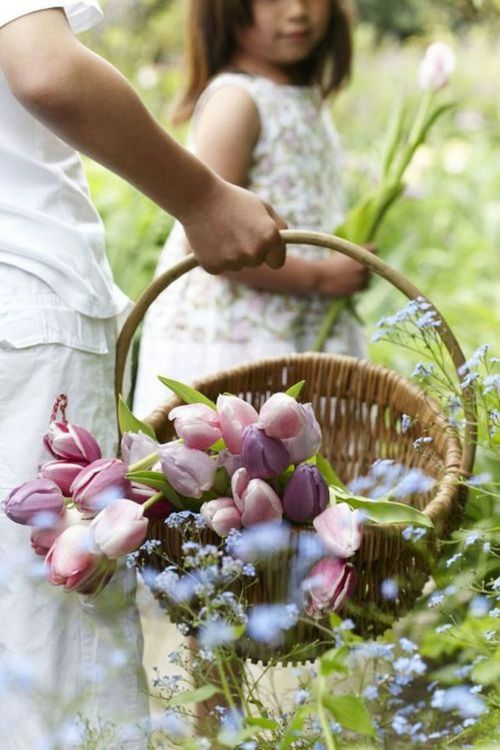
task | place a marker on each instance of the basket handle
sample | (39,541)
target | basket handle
(371,261)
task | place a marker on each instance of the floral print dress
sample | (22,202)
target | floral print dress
(203,323)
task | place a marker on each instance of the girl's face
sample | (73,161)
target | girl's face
(283,34)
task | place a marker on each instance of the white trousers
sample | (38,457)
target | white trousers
(62,656)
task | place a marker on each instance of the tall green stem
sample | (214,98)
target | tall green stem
(144,463)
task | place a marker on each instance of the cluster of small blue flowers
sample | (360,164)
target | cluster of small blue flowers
(386,477)
(418,313)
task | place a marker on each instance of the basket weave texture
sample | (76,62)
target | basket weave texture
(359,406)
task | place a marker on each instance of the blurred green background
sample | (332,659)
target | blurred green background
(445,235)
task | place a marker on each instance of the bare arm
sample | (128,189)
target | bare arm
(91,106)
(226,134)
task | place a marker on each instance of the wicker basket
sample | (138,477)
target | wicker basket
(360,406)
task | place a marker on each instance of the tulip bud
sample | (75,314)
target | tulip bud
(263,456)
(160,510)
(339,528)
(42,539)
(281,416)
(99,483)
(71,564)
(234,415)
(229,461)
(436,67)
(328,586)
(118,529)
(63,473)
(221,515)
(306,494)
(135,446)
(197,424)
(72,443)
(35,498)
(255,499)
(308,442)
(189,471)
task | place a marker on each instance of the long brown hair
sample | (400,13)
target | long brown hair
(210,42)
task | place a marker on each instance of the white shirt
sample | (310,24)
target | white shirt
(48,224)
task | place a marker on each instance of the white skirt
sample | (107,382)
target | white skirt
(62,656)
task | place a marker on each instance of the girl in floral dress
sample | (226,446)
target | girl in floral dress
(259,75)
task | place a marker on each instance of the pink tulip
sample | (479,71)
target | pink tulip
(43,539)
(234,415)
(255,499)
(221,515)
(327,587)
(135,446)
(160,510)
(37,498)
(189,471)
(63,473)
(118,529)
(281,416)
(339,528)
(71,564)
(436,67)
(98,484)
(308,442)
(197,424)
(72,443)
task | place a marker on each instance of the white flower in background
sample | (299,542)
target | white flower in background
(436,67)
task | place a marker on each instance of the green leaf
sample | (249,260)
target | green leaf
(295,390)
(329,473)
(262,723)
(334,660)
(350,712)
(188,394)
(195,696)
(296,724)
(384,511)
(130,423)
(363,220)
(156,480)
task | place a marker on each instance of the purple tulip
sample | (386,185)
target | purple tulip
(339,528)
(327,587)
(221,515)
(189,471)
(118,529)
(72,443)
(160,510)
(281,416)
(135,446)
(63,473)
(308,442)
(229,461)
(197,424)
(263,457)
(255,499)
(32,499)
(234,415)
(306,494)
(98,484)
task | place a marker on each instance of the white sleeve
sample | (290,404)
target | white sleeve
(81,14)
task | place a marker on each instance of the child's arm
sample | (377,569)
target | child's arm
(226,134)
(91,106)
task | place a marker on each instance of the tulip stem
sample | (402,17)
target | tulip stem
(323,719)
(144,463)
(152,500)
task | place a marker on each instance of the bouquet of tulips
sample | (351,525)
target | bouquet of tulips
(405,134)
(237,467)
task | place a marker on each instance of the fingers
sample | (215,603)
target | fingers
(276,256)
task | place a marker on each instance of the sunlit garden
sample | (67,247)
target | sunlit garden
(321,569)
